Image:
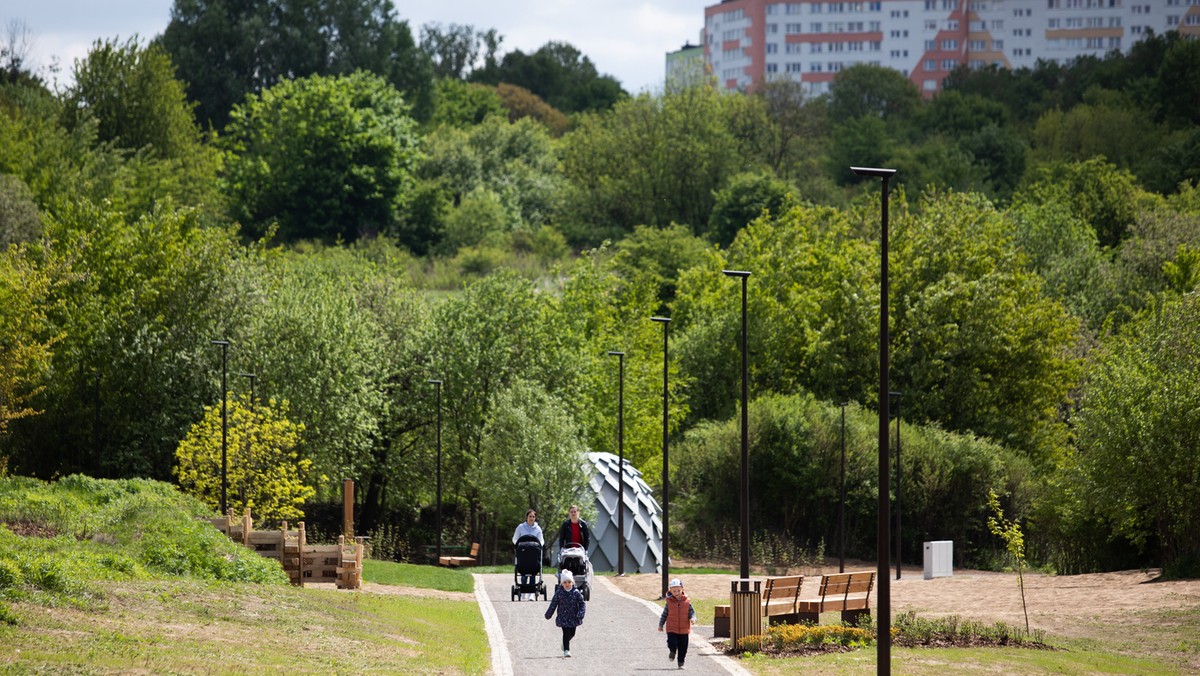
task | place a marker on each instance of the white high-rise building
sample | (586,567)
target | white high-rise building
(809,41)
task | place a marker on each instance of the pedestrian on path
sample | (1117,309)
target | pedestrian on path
(677,618)
(571,608)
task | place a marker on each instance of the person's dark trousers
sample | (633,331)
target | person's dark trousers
(568,634)
(678,644)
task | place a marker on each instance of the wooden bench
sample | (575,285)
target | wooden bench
(455,561)
(849,593)
(780,595)
(779,598)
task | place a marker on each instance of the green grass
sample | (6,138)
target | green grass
(940,661)
(120,576)
(190,626)
(424,577)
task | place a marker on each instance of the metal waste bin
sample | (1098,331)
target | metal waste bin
(939,559)
(745,610)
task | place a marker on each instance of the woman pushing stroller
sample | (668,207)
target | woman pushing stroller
(574,531)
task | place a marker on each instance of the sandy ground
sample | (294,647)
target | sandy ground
(1069,605)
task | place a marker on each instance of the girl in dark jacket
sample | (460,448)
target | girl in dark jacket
(571,609)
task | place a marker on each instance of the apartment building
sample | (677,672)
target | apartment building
(809,41)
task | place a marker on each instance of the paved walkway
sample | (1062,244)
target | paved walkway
(619,635)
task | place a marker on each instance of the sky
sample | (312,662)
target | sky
(627,39)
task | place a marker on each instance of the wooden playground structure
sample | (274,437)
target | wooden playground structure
(341,563)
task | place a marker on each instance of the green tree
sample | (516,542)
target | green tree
(132,93)
(19,218)
(1136,434)
(1100,193)
(798,133)
(1014,542)
(487,182)
(497,331)
(973,331)
(744,199)
(1063,250)
(135,303)
(456,50)
(326,157)
(228,49)
(558,73)
(304,330)
(650,161)
(462,104)
(131,98)
(532,455)
(1123,135)
(657,256)
(810,310)
(858,142)
(865,90)
(25,352)
(264,473)
(605,306)
(1177,82)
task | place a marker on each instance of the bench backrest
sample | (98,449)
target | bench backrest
(843,586)
(780,594)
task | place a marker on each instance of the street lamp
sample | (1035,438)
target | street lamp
(842,500)
(745,485)
(437,385)
(224,425)
(883,642)
(896,396)
(620,460)
(666,557)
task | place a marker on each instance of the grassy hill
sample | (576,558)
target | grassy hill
(118,576)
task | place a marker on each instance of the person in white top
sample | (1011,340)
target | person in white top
(529,527)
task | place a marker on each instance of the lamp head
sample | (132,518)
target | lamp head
(246,375)
(662,320)
(736,273)
(616,353)
(222,343)
(872,171)
(434,382)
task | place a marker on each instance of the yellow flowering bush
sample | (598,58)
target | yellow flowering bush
(263,470)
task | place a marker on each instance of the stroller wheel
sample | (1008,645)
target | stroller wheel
(587,594)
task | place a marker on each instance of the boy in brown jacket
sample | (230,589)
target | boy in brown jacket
(677,617)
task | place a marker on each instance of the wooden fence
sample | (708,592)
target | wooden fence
(340,563)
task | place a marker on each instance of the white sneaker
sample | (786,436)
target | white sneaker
(566,653)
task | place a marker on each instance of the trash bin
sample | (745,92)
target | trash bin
(939,559)
(745,609)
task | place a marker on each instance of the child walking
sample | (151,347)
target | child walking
(677,617)
(571,608)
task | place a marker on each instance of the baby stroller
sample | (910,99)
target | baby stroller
(528,566)
(575,559)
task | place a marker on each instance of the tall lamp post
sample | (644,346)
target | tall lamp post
(842,499)
(437,385)
(620,460)
(883,643)
(224,425)
(745,484)
(896,397)
(666,557)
